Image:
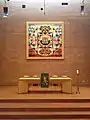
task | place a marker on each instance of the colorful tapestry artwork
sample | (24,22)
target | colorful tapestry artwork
(45,40)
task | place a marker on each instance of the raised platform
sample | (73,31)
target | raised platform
(40,104)
(11,92)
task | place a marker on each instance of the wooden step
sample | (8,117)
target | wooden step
(50,107)
(44,105)
(48,119)
(44,109)
(44,100)
(44,115)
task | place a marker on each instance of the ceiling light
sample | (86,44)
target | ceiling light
(82,7)
(23,6)
(64,3)
(5,11)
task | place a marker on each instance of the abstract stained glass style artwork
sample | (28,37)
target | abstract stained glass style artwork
(45,40)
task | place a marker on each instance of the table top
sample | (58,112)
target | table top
(51,78)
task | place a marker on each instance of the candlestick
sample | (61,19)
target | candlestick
(77,72)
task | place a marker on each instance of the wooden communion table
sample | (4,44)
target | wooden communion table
(64,82)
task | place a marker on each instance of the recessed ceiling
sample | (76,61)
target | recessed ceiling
(52,7)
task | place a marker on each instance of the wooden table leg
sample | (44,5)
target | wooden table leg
(67,86)
(23,87)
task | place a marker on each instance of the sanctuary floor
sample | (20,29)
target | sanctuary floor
(39,93)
